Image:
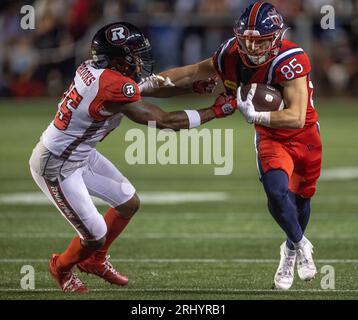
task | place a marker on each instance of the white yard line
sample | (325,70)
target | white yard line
(158,197)
(165,198)
(212,290)
(209,261)
(185,215)
(344,173)
(184,236)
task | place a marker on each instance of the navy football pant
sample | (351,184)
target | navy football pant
(289,210)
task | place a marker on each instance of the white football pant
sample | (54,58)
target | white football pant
(97,177)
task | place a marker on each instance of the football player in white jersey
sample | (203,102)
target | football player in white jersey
(69,170)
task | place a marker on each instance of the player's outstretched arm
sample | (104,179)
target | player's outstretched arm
(200,77)
(185,76)
(142,112)
(295,96)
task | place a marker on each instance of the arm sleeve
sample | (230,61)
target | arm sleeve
(292,67)
(116,87)
(216,57)
(221,54)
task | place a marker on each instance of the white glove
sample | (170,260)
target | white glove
(147,84)
(247,109)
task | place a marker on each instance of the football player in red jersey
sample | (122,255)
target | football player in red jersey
(67,167)
(287,142)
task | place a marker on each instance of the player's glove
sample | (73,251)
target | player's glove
(205,86)
(247,109)
(147,84)
(224,105)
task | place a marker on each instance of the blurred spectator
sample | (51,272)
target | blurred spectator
(42,61)
(79,18)
(22,63)
(164,34)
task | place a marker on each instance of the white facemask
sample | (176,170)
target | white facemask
(258,60)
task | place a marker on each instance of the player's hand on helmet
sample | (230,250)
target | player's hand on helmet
(246,107)
(205,86)
(224,105)
(147,84)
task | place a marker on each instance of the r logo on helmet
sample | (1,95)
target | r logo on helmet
(275,17)
(117,34)
(129,90)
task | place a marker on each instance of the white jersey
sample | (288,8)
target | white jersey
(81,120)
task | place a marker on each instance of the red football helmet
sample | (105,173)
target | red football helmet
(259,33)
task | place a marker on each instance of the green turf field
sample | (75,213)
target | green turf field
(191,250)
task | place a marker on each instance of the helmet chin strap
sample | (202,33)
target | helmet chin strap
(284,31)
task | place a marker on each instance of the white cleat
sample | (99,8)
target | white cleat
(305,266)
(285,272)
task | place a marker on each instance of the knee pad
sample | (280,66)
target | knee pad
(277,196)
(93,244)
(129,208)
(277,199)
(135,204)
(276,186)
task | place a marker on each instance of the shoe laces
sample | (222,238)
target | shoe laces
(287,266)
(303,259)
(72,283)
(108,267)
(286,269)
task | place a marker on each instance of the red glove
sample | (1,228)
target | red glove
(205,86)
(224,105)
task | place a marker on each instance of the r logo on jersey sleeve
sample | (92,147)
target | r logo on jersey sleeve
(113,87)
(116,87)
(129,90)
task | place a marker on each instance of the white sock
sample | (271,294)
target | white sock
(300,243)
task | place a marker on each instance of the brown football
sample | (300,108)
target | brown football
(266,97)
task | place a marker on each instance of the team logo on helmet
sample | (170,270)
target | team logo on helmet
(117,34)
(275,17)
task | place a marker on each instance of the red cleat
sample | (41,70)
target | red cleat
(67,281)
(104,270)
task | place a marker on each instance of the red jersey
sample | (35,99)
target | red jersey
(290,63)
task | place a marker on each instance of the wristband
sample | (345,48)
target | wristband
(194,118)
(262,118)
(144,87)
